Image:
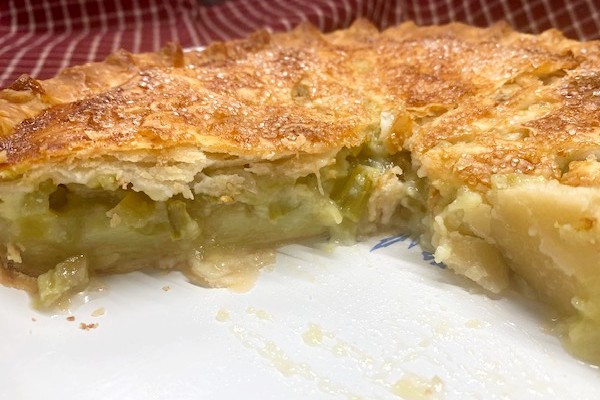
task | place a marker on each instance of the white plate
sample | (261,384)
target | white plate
(353,324)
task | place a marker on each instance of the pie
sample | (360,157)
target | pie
(484,143)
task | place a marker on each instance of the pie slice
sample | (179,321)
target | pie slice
(482,142)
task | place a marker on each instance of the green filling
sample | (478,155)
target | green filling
(67,277)
(122,230)
(352,194)
(182,224)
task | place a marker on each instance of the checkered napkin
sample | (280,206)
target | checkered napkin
(40,37)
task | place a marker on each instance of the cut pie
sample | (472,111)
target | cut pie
(482,142)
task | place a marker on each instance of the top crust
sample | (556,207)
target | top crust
(467,102)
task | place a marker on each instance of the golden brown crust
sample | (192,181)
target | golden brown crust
(536,124)
(28,97)
(538,117)
(234,98)
(274,95)
(18,280)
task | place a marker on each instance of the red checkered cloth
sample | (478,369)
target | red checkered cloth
(40,37)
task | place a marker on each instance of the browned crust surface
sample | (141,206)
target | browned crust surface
(543,123)
(13,278)
(305,92)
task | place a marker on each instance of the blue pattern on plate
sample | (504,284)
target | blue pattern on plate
(426,255)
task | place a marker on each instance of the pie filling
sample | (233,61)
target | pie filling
(64,233)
